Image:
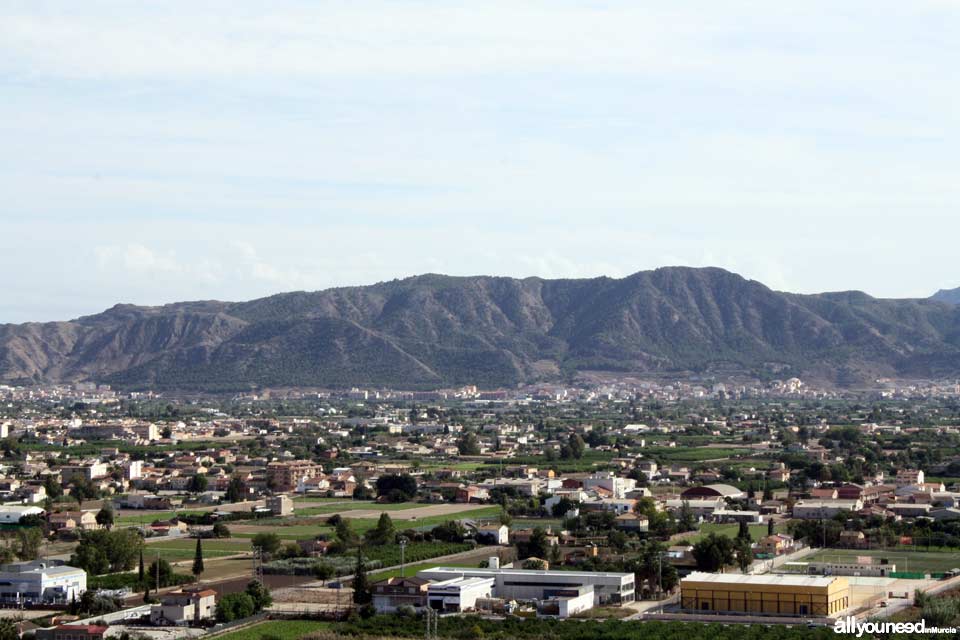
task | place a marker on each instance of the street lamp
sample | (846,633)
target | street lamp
(403,545)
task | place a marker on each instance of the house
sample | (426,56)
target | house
(472,494)
(393,593)
(775,545)
(280,505)
(73,632)
(632,522)
(185,607)
(493,534)
(852,540)
(909,477)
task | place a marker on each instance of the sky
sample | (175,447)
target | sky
(157,152)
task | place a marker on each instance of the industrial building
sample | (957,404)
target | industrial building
(458,594)
(41,581)
(525,584)
(768,594)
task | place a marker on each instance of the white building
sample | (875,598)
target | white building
(11,513)
(41,581)
(188,606)
(824,509)
(525,584)
(617,486)
(458,593)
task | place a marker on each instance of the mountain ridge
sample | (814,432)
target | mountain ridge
(434,330)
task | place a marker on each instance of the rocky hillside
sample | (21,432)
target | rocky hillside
(434,330)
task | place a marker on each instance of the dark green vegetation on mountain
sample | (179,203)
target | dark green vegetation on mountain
(432,330)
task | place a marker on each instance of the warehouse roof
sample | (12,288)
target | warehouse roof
(769,579)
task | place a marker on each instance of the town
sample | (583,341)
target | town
(131,513)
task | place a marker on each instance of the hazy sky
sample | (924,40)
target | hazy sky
(192,150)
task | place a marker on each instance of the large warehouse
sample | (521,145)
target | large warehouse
(41,581)
(773,594)
(528,584)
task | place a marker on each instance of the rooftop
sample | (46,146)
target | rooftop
(769,579)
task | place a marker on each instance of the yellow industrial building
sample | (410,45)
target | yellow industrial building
(771,594)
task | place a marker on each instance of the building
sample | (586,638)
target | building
(632,522)
(41,581)
(11,514)
(528,584)
(824,509)
(771,594)
(617,487)
(73,632)
(566,603)
(458,594)
(280,505)
(881,570)
(907,477)
(493,534)
(286,476)
(393,593)
(184,607)
(713,491)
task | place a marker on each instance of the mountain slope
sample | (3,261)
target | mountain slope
(951,296)
(432,330)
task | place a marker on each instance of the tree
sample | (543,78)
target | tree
(221,530)
(160,571)
(744,551)
(537,547)
(323,571)
(713,553)
(383,533)
(450,531)
(236,489)
(8,629)
(52,486)
(105,516)
(563,506)
(345,533)
(198,483)
(198,560)
(361,584)
(687,521)
(468,444)
(235,606)
(770,527)
(259,594)
(574,448)
(119,547)
(535,564)
(743,532)
(268,542)
(83,489)
(397,487)
(140,570)
(618,540)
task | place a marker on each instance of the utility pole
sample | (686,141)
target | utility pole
(403,545)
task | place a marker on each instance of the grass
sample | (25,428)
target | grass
(176,550)
(906,560)
(757,531)
(280,629)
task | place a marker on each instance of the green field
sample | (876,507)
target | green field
(281,629)
(757,531)
(176,550)
(906,561)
